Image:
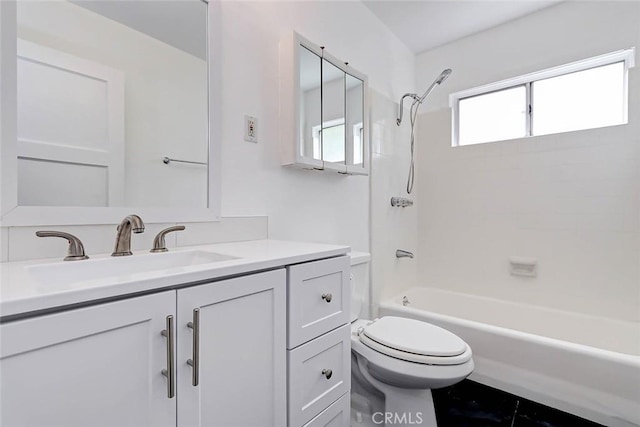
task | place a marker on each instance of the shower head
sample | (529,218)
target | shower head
(418,100)
(442,77)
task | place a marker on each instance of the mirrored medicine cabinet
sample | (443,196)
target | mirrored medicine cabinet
(324,110)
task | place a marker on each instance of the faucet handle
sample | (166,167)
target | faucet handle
(76,249)
(159,244)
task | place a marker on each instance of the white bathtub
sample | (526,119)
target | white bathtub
(585,365)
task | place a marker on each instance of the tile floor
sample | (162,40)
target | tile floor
(470,404)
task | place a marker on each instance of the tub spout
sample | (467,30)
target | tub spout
(403,254)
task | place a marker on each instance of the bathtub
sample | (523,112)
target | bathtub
(588,366)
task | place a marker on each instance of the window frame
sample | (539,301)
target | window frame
(626,56)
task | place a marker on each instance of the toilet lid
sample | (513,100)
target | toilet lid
(413,336)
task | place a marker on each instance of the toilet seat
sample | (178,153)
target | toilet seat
(414,341)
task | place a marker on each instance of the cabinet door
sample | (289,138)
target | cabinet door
(240,356)
(94,366)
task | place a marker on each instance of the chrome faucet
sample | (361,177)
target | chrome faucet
(403,254)
(123,238)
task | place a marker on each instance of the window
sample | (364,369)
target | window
(582,95)
(493,116)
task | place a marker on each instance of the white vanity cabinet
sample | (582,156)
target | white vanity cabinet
(93,366)
(103,365)
(319,343)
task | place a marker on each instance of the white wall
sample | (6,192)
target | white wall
(570,200)
(301,205)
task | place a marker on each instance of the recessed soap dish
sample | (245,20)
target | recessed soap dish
(526,267)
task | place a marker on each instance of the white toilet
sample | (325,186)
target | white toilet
(400,360)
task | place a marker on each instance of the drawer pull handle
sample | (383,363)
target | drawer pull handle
(194,362)
(327,373)
(327,297)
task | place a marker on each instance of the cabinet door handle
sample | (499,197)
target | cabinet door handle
(195,361)
(169,372)
(327,297)
(327,373)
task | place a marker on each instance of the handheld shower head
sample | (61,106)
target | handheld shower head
(414,113)
(443,76)
(418,100)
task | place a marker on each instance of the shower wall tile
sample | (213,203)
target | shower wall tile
(572,201)
(392,228)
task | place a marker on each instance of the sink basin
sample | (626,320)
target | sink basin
(64,273)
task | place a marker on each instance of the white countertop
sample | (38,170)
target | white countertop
(21,293)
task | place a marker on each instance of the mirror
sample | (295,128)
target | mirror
(355,122)
(331,136)
(310,116)
(105,91)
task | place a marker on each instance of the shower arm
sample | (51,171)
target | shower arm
(413,96)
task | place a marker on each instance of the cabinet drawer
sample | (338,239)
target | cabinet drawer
(336,415)
(318,298)
(310,391)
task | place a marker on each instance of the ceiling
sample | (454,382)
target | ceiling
(426,24)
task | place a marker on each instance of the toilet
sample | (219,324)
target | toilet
(396,362)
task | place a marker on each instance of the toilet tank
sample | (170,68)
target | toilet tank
(359,279)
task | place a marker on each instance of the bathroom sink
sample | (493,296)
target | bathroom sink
(61,273)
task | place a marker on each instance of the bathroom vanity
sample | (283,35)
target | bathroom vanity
(249,334)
